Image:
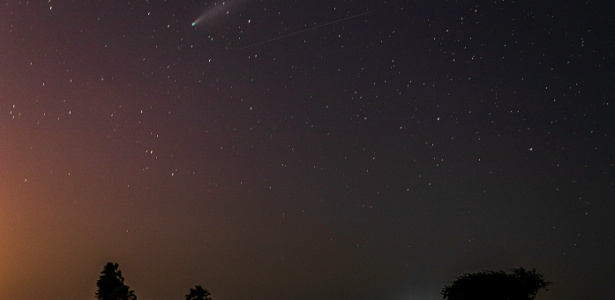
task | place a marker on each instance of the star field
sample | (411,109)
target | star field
(300,150)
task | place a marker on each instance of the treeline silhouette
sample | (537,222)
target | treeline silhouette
(111,286)
(520,284)
(496,285)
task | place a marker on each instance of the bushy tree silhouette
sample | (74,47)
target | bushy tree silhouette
(111,285)
(496,285)
(198,293)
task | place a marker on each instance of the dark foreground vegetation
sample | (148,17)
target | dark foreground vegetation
(496,285)
(520,284)
(111,286)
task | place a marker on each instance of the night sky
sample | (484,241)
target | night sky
(339,149)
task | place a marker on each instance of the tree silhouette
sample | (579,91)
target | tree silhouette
(111,285)
(198,293)
(496,285)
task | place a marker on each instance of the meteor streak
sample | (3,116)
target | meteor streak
(304,30)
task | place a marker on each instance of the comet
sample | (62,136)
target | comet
(210,13)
